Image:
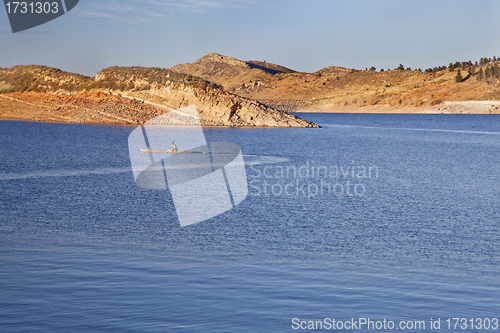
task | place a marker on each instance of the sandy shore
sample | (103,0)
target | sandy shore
(453,107)
(101,108)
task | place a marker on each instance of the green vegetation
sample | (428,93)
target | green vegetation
(479,75)
(493,71)
(464,65)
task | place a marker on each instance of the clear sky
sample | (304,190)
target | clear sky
(303,35)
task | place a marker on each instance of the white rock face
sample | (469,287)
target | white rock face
(219,108)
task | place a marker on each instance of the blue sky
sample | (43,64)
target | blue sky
(303,35)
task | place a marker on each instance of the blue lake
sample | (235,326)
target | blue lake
(391,217)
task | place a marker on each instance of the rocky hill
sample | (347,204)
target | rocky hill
(231,92)
(229,72)
(338,89)
(127,95)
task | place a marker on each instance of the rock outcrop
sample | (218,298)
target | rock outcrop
(216,107)
(128,95)
(219,108)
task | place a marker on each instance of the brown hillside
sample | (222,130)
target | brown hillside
(88,107)
(40,78)
(231,92)
(405,89)
(127,95)
(229,72)
(336,89)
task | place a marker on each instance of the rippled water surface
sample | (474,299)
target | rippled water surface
(386,216)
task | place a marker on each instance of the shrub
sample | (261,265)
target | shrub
(479,75)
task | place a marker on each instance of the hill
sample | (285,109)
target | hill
(338,89)
(230,72)
(232,92)
(118,94)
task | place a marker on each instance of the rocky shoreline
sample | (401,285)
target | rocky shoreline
(99,107)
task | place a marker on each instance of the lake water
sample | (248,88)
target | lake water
(411,235)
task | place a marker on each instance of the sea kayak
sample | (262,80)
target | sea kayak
(170,151)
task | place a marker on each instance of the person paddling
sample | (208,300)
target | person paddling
(174,147)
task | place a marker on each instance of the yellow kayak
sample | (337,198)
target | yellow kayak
(170,151)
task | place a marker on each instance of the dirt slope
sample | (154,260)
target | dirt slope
(338,89)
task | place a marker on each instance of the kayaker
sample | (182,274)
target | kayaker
(174,147)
